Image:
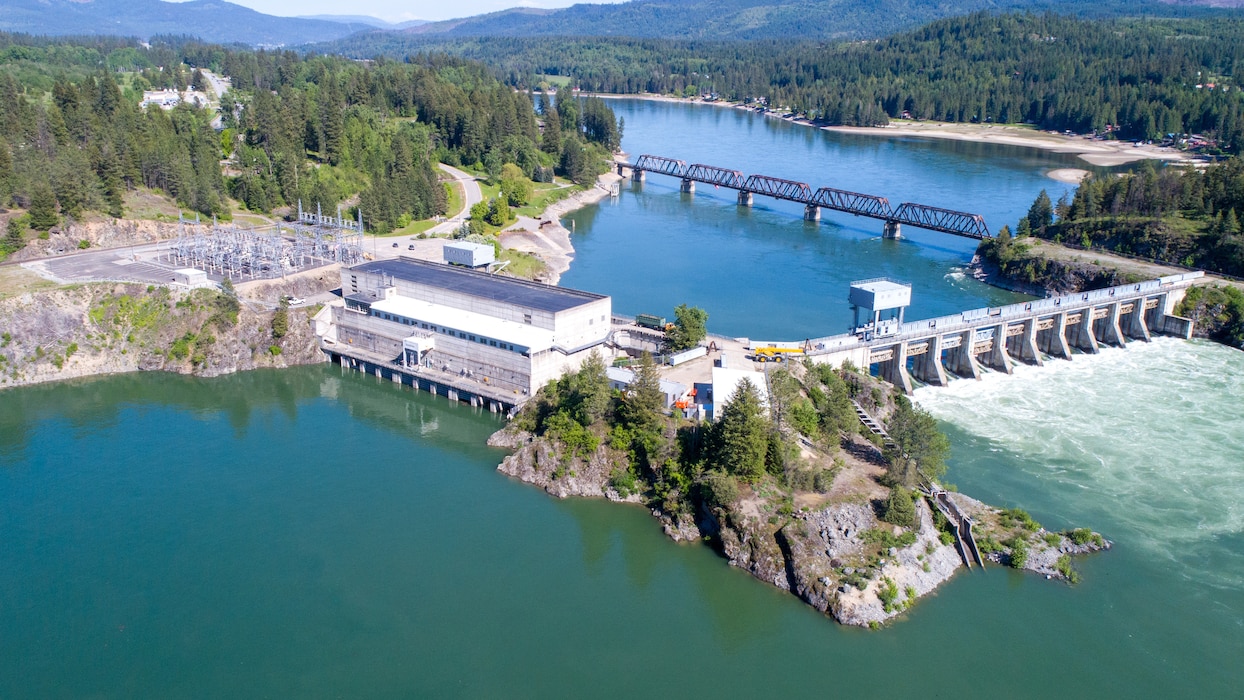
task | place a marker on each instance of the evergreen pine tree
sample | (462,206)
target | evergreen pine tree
(42,207)
(741,435)
(1041,213)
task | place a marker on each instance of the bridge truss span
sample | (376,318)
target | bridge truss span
(778,188)
(852,202)
(922,216)
(944,220)
(660,164)
(713,175)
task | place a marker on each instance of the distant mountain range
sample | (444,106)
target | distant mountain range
(768,19)
(211,20)
(224,22)
(376,21)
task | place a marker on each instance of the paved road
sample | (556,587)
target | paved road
(474,195)
(219,84)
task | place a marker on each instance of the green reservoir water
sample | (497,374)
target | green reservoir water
(314,533)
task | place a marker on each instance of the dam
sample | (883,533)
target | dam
(933,350)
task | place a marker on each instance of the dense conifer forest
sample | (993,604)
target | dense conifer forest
(73,136)
(1139,75)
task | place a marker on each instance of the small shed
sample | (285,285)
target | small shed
(472,255)
(190,277)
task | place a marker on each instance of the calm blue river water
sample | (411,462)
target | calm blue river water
(312,533)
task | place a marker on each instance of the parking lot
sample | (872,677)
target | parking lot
(127,265)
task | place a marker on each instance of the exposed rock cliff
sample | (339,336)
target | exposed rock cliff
(110,328)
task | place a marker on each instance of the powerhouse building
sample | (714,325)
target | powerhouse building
(504,333)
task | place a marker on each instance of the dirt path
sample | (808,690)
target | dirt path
(1145,269)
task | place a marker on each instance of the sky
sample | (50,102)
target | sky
(398,10)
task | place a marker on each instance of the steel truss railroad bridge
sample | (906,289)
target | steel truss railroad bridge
(919,215)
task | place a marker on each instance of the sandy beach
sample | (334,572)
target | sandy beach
(1090,150)
(546,238)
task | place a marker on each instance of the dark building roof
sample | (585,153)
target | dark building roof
(481,284)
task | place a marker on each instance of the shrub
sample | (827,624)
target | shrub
(84,244)
(1081,535)
(1063,566)
(180,349)
(1019,552)
(887,593)
(824,480)
(1018,517)
(623,481)
(718,489)
(274,350)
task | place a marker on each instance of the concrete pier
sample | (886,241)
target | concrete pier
(811,212)
(745,199)
(927,366)
(688,186)
(959,356)
(892,230)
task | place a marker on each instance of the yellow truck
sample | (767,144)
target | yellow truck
(773,353)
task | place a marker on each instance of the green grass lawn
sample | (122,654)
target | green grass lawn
(544,195)
(522,264)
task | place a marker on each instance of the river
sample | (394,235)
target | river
(309,532)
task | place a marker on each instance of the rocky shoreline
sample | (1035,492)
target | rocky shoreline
(824,555)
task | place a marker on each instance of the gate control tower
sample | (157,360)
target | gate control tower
(883,301)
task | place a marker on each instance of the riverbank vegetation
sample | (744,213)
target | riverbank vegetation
(1126,78)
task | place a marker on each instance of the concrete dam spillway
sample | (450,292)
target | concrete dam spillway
(932,350)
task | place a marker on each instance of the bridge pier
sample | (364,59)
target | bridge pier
(961,359)
(811,212)
(621,170)
(688,186)
(928,367)
(996,358)
(745,198)
(1082,337)
(893,230)
(894,370)
(1023,346)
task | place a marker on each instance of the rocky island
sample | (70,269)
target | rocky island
(795,490)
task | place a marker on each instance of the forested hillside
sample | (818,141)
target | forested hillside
(1056,72)
(209,20)
(315,128)
(784,20)
(1182,216)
